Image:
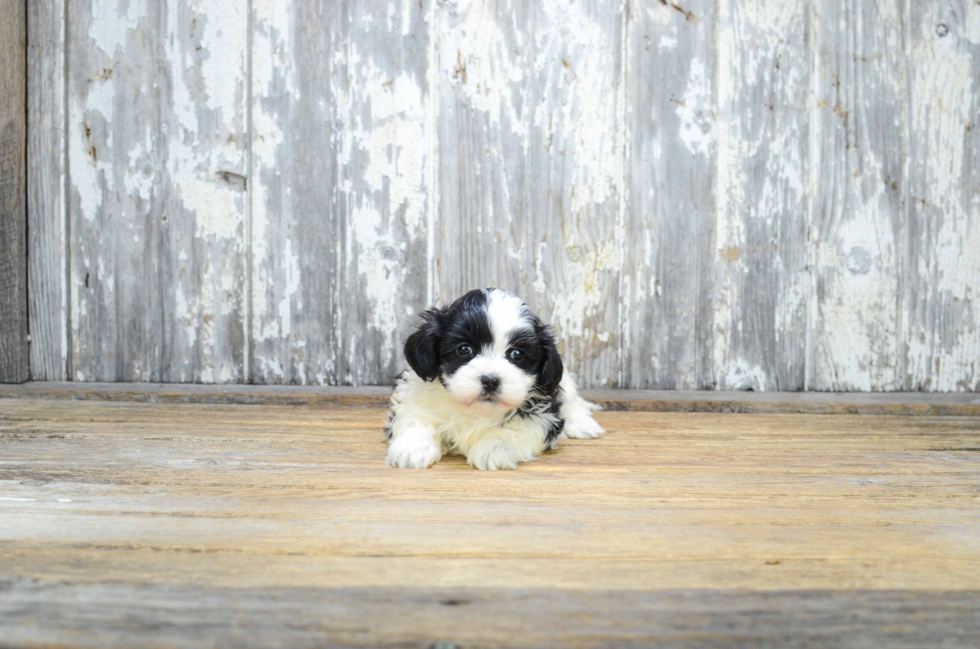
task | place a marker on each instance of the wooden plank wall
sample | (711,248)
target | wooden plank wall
(702,194)
(13,192)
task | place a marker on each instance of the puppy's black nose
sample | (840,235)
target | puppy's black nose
(490,384)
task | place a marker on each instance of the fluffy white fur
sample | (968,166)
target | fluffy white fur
(429,419)
(428,423)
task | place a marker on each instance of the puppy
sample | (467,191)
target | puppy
(486,382)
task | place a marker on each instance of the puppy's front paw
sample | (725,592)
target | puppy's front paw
(413,452)
(492,455)
(581,425)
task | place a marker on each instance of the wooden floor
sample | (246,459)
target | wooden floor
(196,525)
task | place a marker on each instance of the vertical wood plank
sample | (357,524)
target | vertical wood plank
(485,58)
(296,231)
(759,261)
(672,94)
(576,183)
(858,184)
(387,153)
(531,165)
(13,192)
(47,248)
(341,158)
(943,304)
(157,189)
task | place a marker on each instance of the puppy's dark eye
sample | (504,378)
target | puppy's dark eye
(465,351)
(515,355)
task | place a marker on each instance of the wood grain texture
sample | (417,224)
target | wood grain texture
(531,177)
(671,158)
(859,117)
(297,237)
(181,524)
(13,192)
(340,210)
(485,57)
(157,157)
(760,283)
(943,327)
(121,615)
(46,155)
(711,194)
(947,404)
(576,180)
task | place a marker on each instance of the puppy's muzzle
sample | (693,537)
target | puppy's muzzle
(491,385)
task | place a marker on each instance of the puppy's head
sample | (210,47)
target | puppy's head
(488,350)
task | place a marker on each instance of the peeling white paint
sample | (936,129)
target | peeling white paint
(378,263)
(537,96)
(91,171)
(272,63)
(579,67)
(394,140)
(741,375)
(111,25)
(478,57)
(696,111)
(583,295)
(944,335)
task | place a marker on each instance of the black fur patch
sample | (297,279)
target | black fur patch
(555,429)
(432,349)
(550,368)
(529,342)
(387,428)
(539,405)
(464,323)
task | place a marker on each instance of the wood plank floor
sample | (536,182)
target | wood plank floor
(188,525)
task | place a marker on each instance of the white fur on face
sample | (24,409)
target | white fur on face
(466,388)
(506,314)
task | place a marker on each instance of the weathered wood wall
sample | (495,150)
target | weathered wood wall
(698,194)
(13,192)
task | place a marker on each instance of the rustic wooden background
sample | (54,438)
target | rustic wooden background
(13,192)
(776,195)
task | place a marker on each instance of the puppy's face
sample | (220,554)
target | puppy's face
(488,350)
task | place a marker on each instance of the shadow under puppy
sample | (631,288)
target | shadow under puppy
(486,382)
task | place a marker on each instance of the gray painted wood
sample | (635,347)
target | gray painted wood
(531,165)
(13,192)
(296,239)
(858,191)
(577,180)
(340,209)
(671,158)
(156,159)
(48,259)
(484,59)
(724,194)
(943,254)
(756,272)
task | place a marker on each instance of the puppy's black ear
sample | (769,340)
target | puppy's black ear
(422,347)
(549,376)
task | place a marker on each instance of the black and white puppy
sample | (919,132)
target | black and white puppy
(486,382)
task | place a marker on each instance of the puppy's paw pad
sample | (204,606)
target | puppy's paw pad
(583,426)
(413,452)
